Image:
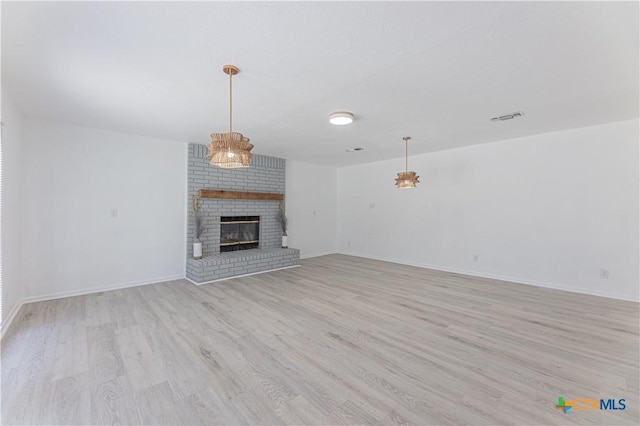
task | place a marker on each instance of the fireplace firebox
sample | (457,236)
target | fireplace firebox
(239,233)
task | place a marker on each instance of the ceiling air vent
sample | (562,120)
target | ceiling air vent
(508,116)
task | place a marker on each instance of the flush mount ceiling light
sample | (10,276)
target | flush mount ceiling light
(229,150)
(407,179)
(340,118)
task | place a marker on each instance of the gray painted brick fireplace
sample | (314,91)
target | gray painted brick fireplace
(266,174)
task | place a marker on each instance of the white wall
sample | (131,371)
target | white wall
(12,286)
(551,210)
(311,208)
(73,178)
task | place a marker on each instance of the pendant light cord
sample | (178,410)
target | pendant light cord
(406,155)
(230,102)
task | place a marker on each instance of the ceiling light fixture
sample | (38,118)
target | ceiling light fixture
(407,179)
(229,150)
(340,118)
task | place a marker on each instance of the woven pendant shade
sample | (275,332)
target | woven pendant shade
(407,180)
(229,150)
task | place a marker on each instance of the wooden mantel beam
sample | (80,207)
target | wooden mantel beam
(238,195)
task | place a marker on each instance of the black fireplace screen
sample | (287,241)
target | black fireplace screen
(239,233)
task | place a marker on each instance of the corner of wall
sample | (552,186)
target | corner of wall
(13,288)
(312,208)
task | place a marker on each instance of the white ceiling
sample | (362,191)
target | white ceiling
(436,71)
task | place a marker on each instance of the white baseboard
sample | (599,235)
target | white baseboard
(12,315)
(90,290)
(322,253)
(240,276)
(80,292)
(516,280)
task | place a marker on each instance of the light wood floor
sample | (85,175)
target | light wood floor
(339,340)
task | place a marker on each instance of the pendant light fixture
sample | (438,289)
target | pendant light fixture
(407,179)
(229,150)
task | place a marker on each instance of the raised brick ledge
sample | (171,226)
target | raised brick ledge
(241,255)
(228,265)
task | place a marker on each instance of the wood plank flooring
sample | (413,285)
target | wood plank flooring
(341,340)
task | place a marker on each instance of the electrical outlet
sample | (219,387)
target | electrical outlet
(114,213)
(348,243)
(476,258)
(604,274)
